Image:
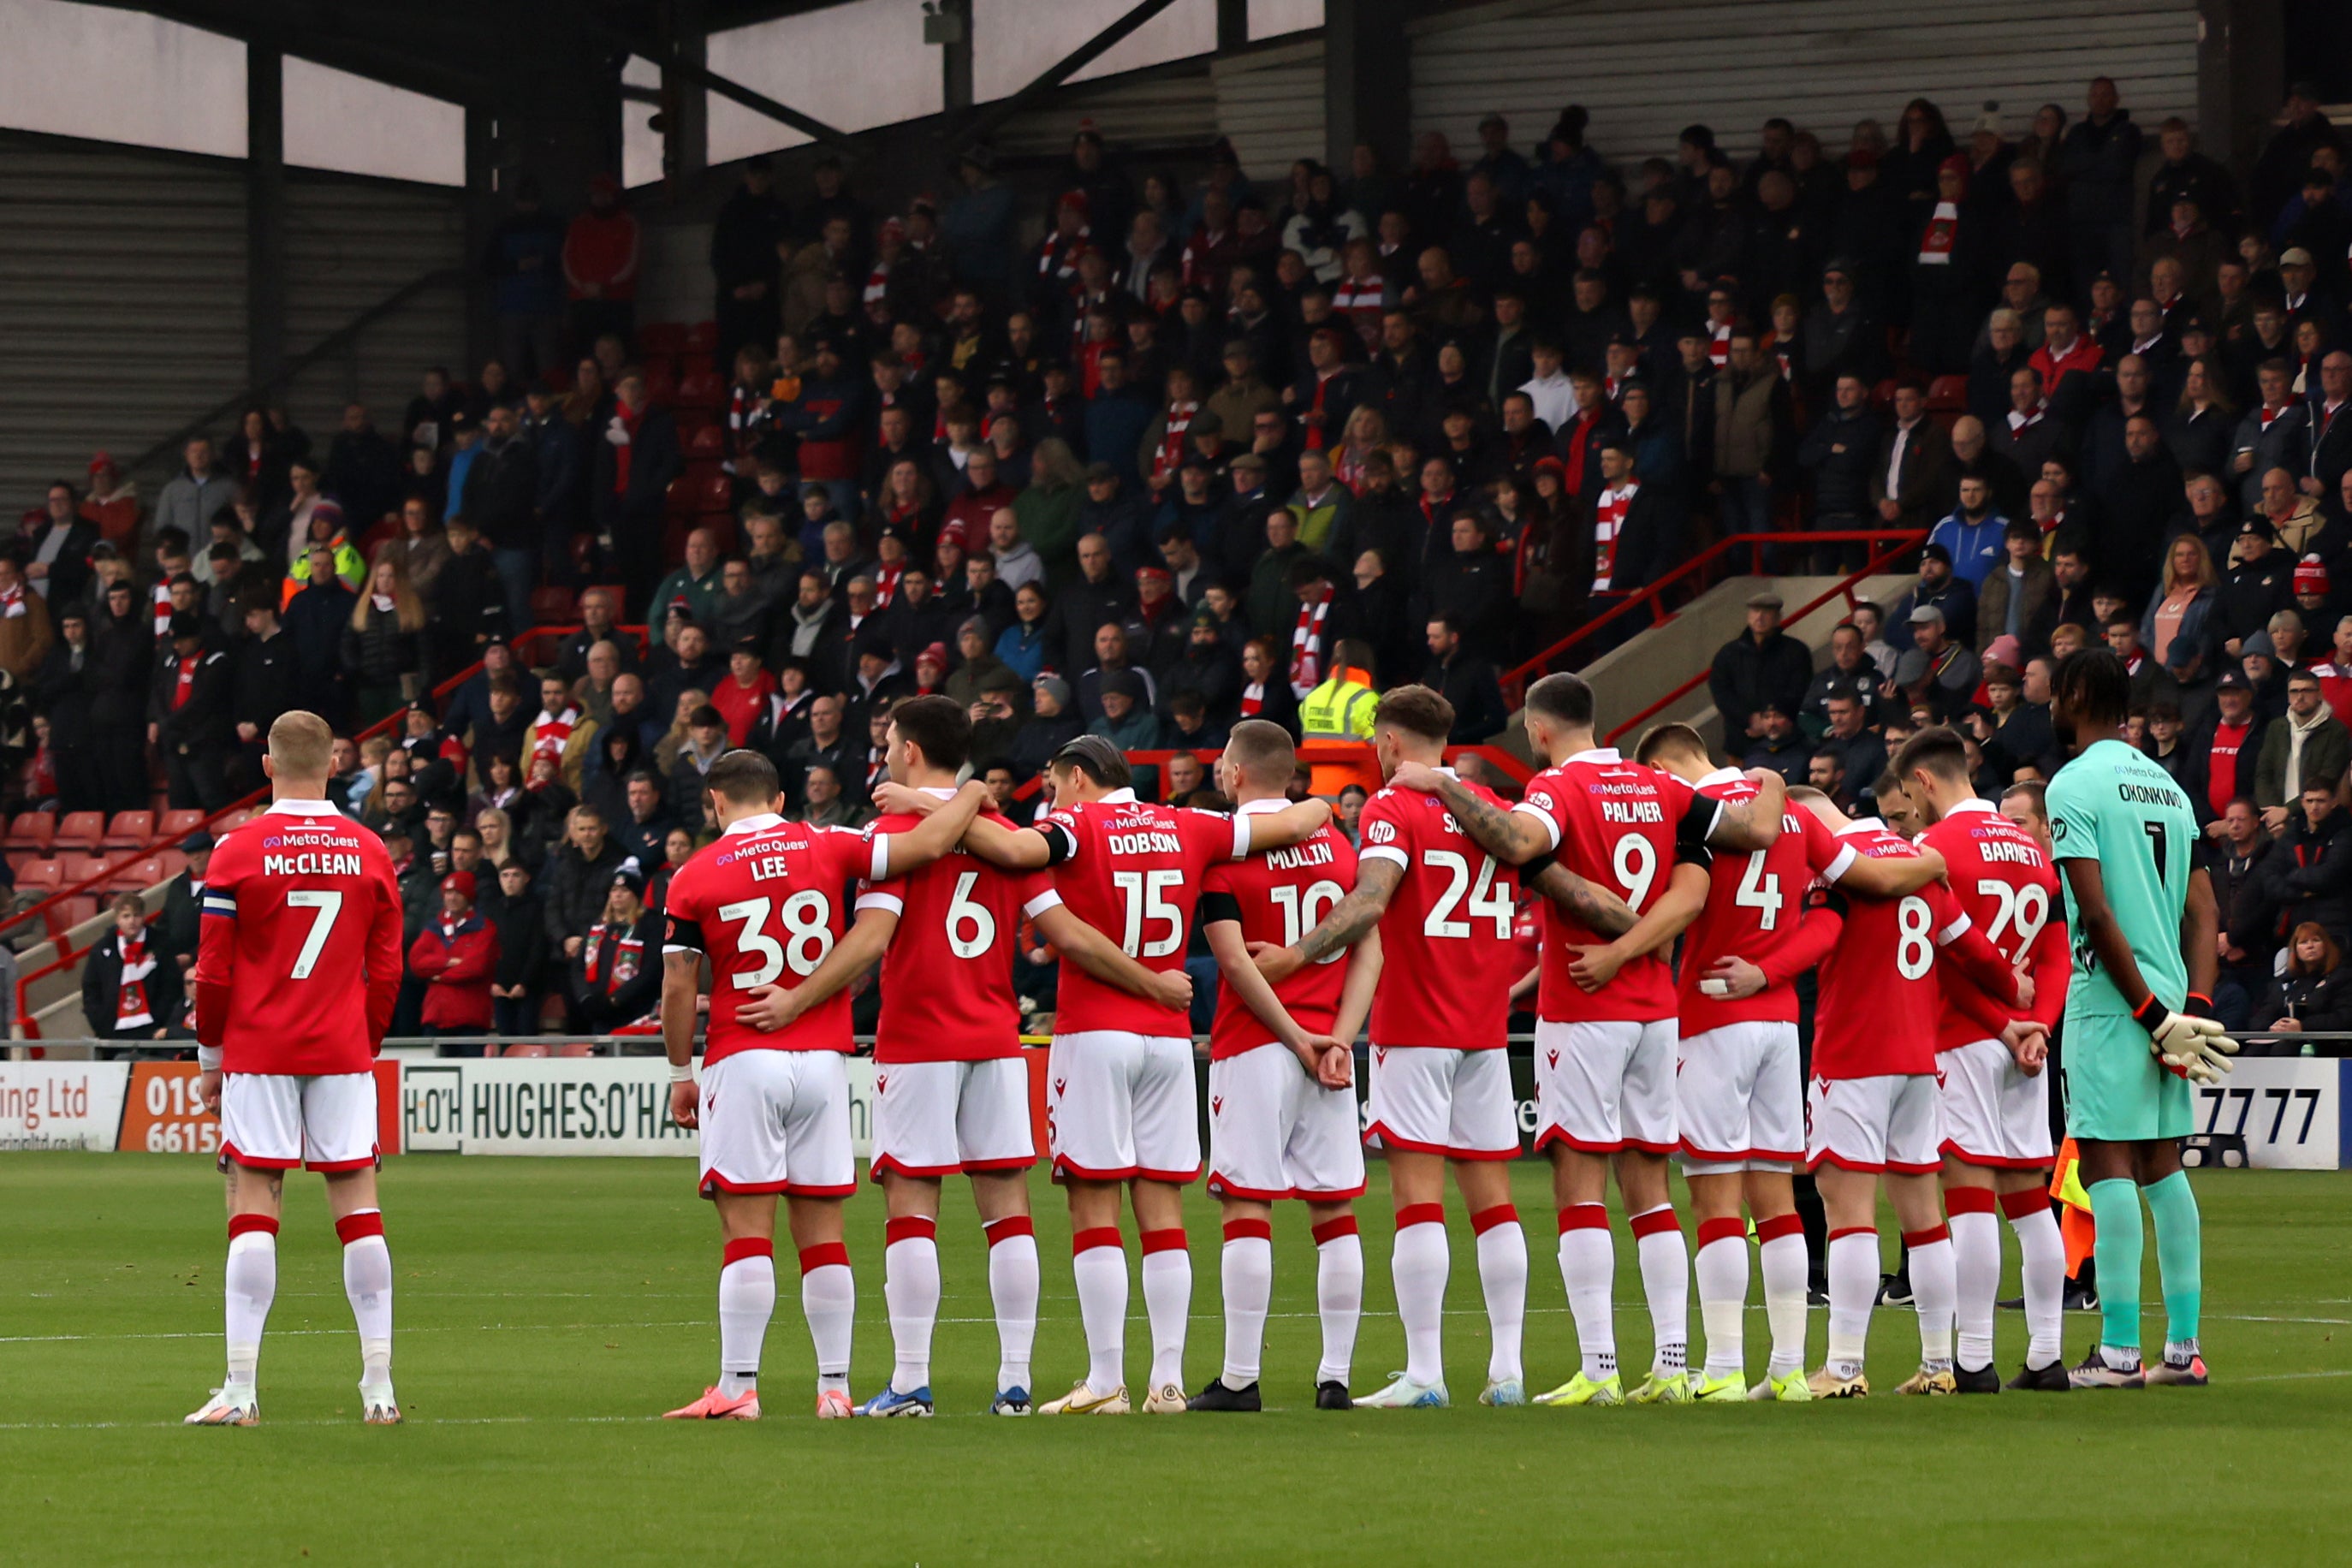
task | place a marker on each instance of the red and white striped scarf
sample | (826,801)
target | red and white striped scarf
(1607,527)
(628,958)
(886,584)
(11,603)
(131,1005)
(1362,301)
(2269,414)
(1170,456)
(158,603)
(1718,342)
(1942,234)
(552,733)
(1306,644)
(1253,699)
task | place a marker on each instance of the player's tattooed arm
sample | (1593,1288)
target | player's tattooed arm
(769,1008)
(1512,836)
(1595,907)
(1684,897)
(1350,919)
(1755,824)
(1109,963)
(681,989)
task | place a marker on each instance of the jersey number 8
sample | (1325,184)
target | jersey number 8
(1915,947)
(808,936)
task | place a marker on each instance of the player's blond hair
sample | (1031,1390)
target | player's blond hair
(1263,751)
(1675,739)
(301,745)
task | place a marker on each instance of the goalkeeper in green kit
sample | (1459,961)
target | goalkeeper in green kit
(2139,1025)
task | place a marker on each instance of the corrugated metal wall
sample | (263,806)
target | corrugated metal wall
(1824,64)
(1270,105)
(1169,106)
(122,299)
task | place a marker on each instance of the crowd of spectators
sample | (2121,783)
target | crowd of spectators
(1205,450)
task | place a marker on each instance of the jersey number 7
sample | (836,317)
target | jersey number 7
(329,904)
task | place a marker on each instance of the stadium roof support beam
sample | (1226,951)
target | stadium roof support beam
(1078,59)
(673,62)
(686,115)
(265,212)
(1367,80)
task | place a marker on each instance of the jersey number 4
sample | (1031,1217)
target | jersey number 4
(807,919)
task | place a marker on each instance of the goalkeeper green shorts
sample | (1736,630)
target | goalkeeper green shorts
(2116,1089)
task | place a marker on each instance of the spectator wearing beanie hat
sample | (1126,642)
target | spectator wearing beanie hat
(2316,598)
(456,957)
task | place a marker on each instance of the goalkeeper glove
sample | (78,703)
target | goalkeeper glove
(2190,1045)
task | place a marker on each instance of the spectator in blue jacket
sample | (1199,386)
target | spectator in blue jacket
(1117,417)
(1973,533)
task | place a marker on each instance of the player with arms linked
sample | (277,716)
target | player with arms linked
(2139,1019)
(296,974)
(765,905)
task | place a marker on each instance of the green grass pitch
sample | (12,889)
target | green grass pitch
(548,1308)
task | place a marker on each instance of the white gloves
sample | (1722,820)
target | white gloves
(2198,1049)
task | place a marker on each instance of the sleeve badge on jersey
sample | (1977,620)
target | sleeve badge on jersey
(1539,799)
(2057,827)
(1380,832)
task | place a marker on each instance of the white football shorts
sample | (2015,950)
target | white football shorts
(777,1121)
(1739,1098)
(1605,1085)
(1994,1115)
(1431,1100)
(1893,1122)
(275,1121)
(1274,1132)
(1121,1106)
(939,1119)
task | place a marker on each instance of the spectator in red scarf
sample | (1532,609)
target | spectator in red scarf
(130,990)
(637,455)
(456,957)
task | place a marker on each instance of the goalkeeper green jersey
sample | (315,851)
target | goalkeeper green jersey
(2115,806)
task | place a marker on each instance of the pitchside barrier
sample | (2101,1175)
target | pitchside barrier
(2294,1112)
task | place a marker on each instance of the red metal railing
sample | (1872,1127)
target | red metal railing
(1845,586)
(50,910)
(1697,573)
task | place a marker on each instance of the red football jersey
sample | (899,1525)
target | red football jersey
(1133,871)
(300,957)
(1880,1007)
(947,979)
(1754,904)
(1448,959)
(2006,885)
(766,903)
(1622,825)
(1278,896)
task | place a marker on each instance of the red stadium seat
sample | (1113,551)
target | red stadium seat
(33,830)
(1947,394)
(661,338)
(553,607)
(174,825)
(678,499)
(173,861)
(701,338)
(76,911)
(130,830)
(38,874)
(715,494)
(139,876)
(661,385)
(701,389)
(1883,394)
(78,866)
(80,830)
(709,442)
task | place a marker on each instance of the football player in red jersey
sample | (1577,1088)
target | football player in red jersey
(1441,1089)
(1121,1106)
(764,903)
(1872,1113)
(1997,1151)
(1739,1086)
(296,974)
(951,1090)
(1605,1043)
(1282,1108)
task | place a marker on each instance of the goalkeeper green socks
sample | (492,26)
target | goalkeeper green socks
(2115,1208)
(2179,1254)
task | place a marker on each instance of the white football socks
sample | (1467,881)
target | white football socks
(1588,1267)
(1665,1258)
(910,1291)
(367,1282)
(1419,1264)
(1853,1290)
(1503,1278)
(1781,1257)
(1100,1266)
(249,1284)
(829,1301)
(1935,1289)
(1722,1269)
(1245,1273)
(1167,1301)
(1339,1295)
(747,1300)
(2042,1264)
(1012,1288)
(1975,1269)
